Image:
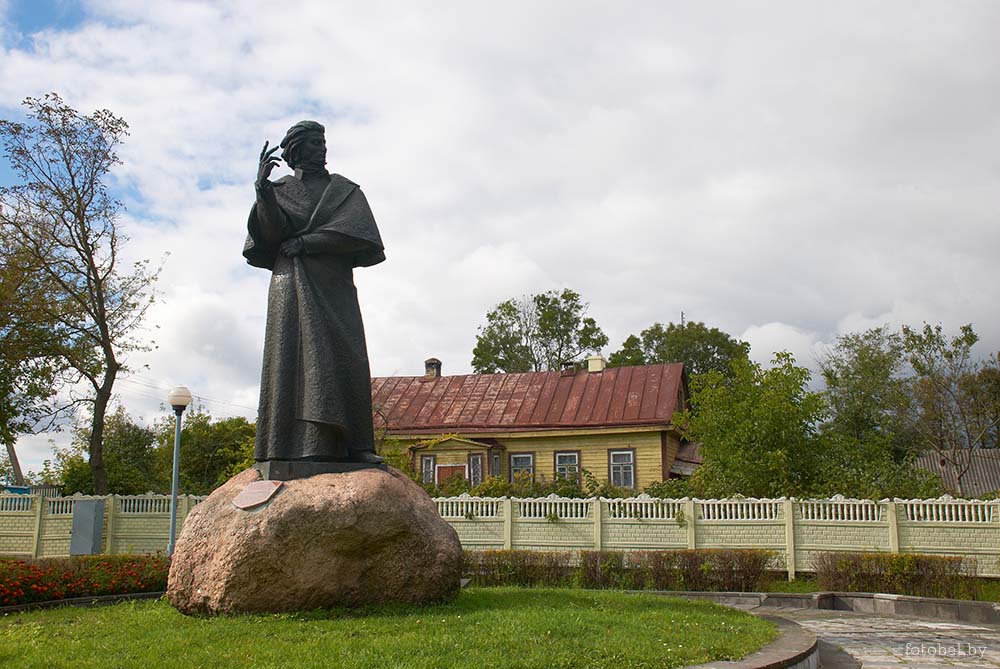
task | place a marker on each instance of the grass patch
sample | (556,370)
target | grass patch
(482,628)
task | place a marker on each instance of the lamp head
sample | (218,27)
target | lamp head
(179,398)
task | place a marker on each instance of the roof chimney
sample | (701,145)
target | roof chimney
(432,368)
(596,363)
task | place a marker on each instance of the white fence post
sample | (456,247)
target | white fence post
(788,508)
(508,523)
(892,517)
(598,516)
(36,547)
(691,514)
(109,542)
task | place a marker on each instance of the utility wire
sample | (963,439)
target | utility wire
(137,381)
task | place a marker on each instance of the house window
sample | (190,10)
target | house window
(475,468)
(622,466)
(427,468)
(522,463)
(568,465)
(496,465)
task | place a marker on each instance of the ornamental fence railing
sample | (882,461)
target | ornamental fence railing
(795,530)
(40,526)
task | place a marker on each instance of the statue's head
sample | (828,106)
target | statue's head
(304,145)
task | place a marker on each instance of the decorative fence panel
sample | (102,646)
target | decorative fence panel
(797,530)
(40,526)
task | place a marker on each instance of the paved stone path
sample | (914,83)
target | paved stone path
(883,642)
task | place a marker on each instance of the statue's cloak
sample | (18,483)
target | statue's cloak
(315,393)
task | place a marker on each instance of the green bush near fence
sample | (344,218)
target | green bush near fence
(705,569)
(27,581)
(902,574)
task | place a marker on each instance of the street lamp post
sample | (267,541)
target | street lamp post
(179,398)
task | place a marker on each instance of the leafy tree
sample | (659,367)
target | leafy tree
(871,469)
(985,385)
(759,429)
(868,390)
(131,459)
(7,471)
(536,333)
(29,366)
(212,451)
(870,440)
(699,347)
(957,397)
(63,221)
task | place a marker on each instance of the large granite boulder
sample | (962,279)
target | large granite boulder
(350,539)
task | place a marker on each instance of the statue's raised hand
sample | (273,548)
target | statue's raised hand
(268,161)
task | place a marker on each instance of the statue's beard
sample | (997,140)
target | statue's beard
(312,165)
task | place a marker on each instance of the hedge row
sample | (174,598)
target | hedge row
(898,573)
(27,581)
(705,569)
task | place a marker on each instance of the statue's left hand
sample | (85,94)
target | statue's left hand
(293,247)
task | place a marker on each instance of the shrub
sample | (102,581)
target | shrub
(669,489)
(707,569)
(898,573)
(26,581)
(523,568)
(606,569)
(524,485)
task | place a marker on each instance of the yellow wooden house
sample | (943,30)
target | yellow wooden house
(615,422)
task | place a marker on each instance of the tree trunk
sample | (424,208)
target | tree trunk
(15,465)
(101,401)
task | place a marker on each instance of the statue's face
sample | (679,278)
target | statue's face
(312,151)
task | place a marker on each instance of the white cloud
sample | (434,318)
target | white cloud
(786,172)
(770,338)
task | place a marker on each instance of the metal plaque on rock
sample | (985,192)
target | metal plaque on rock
(256,493)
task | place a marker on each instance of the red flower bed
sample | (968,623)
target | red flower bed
(26,581)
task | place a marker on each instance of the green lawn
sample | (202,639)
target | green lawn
(482,628)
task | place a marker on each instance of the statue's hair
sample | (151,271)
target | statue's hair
(294,137)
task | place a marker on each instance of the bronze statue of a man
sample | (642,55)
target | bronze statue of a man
(311,229)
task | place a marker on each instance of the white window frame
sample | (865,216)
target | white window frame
(428,474)
(575,473)
(622,467)
(472,457)
(520,468)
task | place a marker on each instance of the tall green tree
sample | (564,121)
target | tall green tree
(868,388)
(956,395)
(29,365)
(758,428)
(700,348)
(133,465)
(212,451)
(63,220)
(536,333)
(762,435)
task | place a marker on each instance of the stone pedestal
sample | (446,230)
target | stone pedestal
(349,539)
(286,470)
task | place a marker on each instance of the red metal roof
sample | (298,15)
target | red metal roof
(617,396)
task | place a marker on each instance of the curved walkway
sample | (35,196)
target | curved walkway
(895,642)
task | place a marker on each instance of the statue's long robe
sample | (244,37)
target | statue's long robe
(315,391)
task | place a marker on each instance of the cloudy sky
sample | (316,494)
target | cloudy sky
(784,171)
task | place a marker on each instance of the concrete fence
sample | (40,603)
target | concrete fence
(797,530)
(39,526)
